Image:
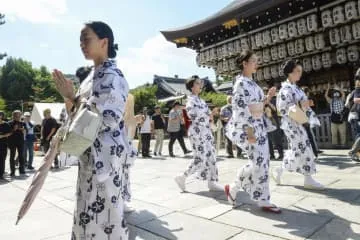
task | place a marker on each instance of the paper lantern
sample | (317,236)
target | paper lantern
(260,75)
(219,52)
(345,33)
(356,30)
(319,41)
(266,37)
(353,53)
(219,68)
(258,40)
(237,46)
(225,66)
(338,15)
(245,43)
(260,57)
(266,55)
(207,55)
(326,19)
(230,47)
(275,38)
(291,48)
(212,54)
(283,33)
(307,64)
(274,71)
(280,70)
(274,53)
(350,10)
(341,57)
(282,51)
(301,26)
(312,23)
(334,35)
(316,62)
(299,46)
(225,50)
(253,42)
(326,59)
(232,64)
(267,73)
(198,62)
(309,43)
(292,30)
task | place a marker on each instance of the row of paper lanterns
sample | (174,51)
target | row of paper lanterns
(311,63)
(294,29)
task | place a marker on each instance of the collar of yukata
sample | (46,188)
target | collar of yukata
(106,64)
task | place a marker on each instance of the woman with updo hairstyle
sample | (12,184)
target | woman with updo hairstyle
(102,186)
(248,130)
(291,101)
(201,138)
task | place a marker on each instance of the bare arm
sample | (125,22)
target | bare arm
(326,95)
(53,130)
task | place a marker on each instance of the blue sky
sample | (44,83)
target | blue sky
(46,32)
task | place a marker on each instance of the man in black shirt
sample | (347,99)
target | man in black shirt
(48,130)
(5,132)
(16,142)
(158,122)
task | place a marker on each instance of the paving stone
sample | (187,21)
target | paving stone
(37,224)
(145,212)
(12,200)
(330,207)
(140,234)
(289,224)
(210,212)
(338,230)
(181,226)
(250,235)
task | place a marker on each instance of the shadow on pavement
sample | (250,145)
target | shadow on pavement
(143,233)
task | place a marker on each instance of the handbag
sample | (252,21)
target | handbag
(298,115)
(81,132)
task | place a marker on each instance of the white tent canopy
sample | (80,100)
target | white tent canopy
(37,113)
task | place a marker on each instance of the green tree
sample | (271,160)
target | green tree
(44,88)
(16,81)
(144,97)
(218,99)
(2,104)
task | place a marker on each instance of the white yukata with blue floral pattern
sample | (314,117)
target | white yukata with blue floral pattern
(202,140)
(299,157)
(103,168)
(253,178)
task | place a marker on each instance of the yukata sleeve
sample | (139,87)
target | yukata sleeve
(285,100)
(241,113)
(110,101)
(192,110)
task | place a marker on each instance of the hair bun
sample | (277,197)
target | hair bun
(116,46)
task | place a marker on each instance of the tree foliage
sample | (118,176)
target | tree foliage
(217,99)
(21,83)
(144,97)
(44,87)
(16,80)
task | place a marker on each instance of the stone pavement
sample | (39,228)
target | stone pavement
(162,212)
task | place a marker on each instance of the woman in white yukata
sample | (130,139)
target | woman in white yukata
(102,184)
(299,157)
(248,129)
(201,138)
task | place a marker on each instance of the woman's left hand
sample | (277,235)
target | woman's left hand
(63,85)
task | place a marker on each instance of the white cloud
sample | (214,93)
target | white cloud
(160,57)
(35,11)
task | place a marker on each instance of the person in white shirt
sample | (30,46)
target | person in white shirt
(29,141)
(146,130)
